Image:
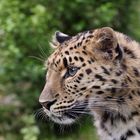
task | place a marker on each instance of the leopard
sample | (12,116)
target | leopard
(95,72)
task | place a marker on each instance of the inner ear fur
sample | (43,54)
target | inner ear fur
(106,43)
(105,38)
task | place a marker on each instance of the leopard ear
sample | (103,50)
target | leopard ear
(107,44)
(59,38)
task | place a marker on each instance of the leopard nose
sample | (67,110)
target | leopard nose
(48,104)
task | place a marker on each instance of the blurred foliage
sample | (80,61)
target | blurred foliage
(29,131)
(25,30)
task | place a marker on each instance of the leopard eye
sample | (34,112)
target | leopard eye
(71,71)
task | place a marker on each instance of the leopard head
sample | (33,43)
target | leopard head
(82,71)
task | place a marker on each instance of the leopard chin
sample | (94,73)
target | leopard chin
(65,120)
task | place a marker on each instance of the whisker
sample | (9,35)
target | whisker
(80,112)
(43,52)
(97,108)
(40,114)
(37,58)
(101,105)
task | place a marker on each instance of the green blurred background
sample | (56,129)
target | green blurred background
(25,31)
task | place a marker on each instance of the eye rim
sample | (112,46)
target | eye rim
(71,71)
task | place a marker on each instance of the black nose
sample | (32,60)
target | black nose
(48,104)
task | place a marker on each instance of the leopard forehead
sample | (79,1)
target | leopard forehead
(76,46)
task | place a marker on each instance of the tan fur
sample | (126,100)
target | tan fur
(106,82)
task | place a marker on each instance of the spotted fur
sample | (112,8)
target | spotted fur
(95,72)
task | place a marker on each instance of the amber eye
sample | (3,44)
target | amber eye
(71,71)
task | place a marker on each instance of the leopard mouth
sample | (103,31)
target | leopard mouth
(67,116)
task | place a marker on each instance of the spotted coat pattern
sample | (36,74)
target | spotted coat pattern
(95,72)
